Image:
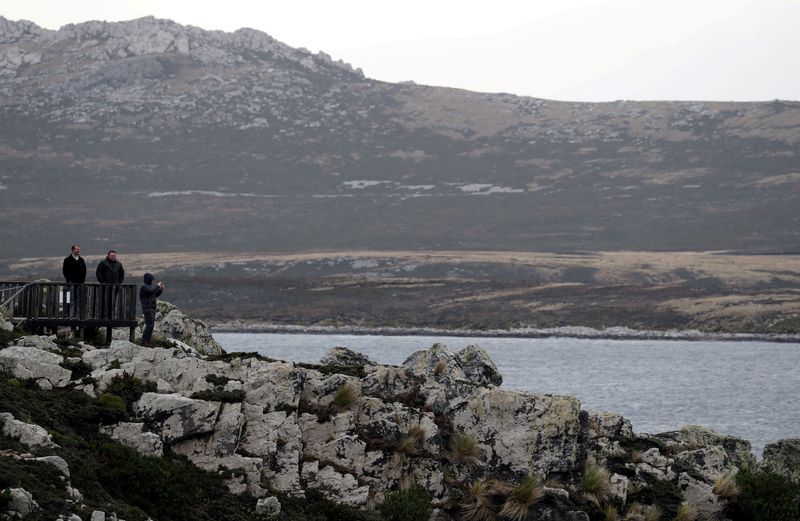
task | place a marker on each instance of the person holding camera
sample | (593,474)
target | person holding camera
(148,295)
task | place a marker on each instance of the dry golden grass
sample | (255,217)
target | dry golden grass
(686,512)
(725,487)
(522,497)
(595,484)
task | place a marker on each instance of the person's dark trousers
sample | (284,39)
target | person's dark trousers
(149,322)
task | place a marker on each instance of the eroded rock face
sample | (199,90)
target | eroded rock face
(478,367)
(176,417)
(37,364)
(21,502)
(783,458)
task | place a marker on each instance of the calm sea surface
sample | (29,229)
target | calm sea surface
(749,389)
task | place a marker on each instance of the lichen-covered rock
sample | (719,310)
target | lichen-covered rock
(275,437)
(696,436)
(608,425)
(523,432)
(478,367)
(177,417)
(345,357)
(36,364)
(711,462)
(783,457)
(223,441)
(29,434)
(619,488)
(172,323)
(436,361)
(343,488)
(699,494)
(134,436)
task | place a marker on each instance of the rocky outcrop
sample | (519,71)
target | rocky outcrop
(33,363)
(172,323)
(439,420)
(783,458)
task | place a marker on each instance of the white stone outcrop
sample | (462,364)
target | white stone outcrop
(21,503)
(37,364)
(172,323)
(29,434)
(133,435)
(176,417)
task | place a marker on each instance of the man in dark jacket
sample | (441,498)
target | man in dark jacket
(109,271)
(74,271)
(148,295)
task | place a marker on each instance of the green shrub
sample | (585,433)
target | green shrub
(113,402)
(413,504)
(214,379)
(130,389)
(765,496)
(79,368)
(14,382)
(220,395)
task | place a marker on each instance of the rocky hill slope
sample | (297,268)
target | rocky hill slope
(436,435)
(148,135)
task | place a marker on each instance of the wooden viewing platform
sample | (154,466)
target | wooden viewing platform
(39,305)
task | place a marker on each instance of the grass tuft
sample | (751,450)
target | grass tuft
(686,512)
(522,497)
(610,513)
(479,505)
(595,484)
(345,396)
(725,487)
(464,449)
(440,367)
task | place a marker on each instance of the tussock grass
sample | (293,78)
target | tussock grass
(464,449)
(610,513)
(440,367)
(345,396)
(652,513)
(595,484)
(479,505)
(522,497)
(725,487)
(686,512)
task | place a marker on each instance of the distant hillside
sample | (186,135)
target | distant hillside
(151,136)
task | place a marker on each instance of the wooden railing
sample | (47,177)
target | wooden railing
(51,304)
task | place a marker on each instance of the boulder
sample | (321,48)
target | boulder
(134,436)
(37,364)
(98,515)
(20,503)
(5,325)
(619,488)
(268,506)
(436,361)
(56,461)
(783,457)
(345,357)
(699,494)
(176,417)
(343,488)
(28,434)
(609,425)
(478,367)
(523,432)
(45,343)
(710,463)
(172,323)
(697,436)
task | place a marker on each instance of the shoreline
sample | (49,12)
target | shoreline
(612,333)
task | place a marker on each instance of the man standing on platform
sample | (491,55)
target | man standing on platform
(110,272)
(148,295)
(74,271)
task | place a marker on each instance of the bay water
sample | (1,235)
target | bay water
(747,389)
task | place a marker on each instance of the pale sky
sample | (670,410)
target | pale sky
(587,50)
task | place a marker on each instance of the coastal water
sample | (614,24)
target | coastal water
(748,389)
